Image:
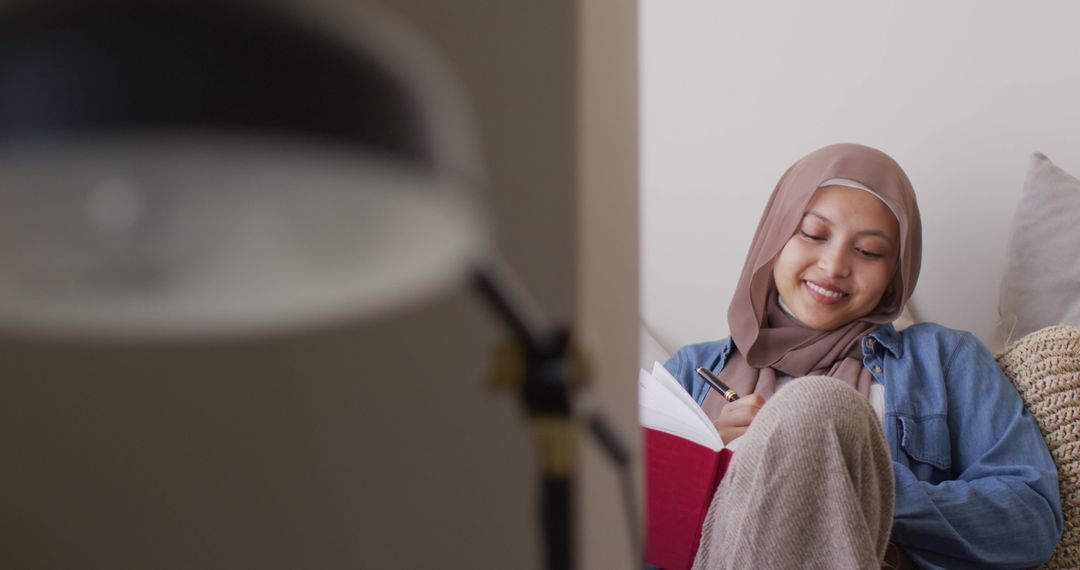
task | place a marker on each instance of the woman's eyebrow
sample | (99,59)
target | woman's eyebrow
(873,232)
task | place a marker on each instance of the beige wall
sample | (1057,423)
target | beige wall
(608,258)
(372,445)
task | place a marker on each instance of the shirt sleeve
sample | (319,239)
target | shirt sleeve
(1001,509)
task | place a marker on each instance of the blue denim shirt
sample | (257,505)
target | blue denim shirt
(975,484)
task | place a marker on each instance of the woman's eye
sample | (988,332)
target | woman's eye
(811,236)
(870,254)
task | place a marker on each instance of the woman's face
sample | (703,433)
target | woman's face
(841,259)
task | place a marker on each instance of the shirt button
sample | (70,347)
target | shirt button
(870,343)
(877,369)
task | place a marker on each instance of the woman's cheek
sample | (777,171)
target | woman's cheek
(880,282)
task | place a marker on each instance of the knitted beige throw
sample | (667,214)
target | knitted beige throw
(810,487)
(1045,366)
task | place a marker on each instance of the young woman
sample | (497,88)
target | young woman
(857,445)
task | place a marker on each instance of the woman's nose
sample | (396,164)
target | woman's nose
(835,261)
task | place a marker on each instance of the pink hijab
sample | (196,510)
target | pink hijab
(767,340)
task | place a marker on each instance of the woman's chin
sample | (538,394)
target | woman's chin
(824,326)
(817,321)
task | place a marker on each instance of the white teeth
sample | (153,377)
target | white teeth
(825,292)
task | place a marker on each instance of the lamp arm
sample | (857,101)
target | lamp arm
(504,293)
(548,371)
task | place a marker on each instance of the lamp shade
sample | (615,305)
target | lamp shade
(192,169)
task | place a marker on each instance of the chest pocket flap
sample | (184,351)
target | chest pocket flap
(926,440)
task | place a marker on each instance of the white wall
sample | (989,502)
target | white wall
(960,93)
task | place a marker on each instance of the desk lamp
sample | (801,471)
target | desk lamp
(204,169)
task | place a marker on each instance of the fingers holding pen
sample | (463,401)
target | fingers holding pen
(742,411)
(736,416)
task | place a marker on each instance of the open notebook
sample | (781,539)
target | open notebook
(685,459)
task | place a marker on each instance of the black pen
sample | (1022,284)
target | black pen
(710,378)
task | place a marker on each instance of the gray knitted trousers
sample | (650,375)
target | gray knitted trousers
(810,487)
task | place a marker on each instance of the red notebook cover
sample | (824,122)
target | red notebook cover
(680,480)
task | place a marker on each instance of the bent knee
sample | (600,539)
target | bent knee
(817,400)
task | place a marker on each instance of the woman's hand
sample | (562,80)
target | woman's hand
(736,416)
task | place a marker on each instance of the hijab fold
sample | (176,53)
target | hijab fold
(767,341)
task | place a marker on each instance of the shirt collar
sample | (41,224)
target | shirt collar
(887,336)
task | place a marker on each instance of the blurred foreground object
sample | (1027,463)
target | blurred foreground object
(202,169)
(199,170)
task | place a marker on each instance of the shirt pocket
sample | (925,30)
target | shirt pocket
(925,440)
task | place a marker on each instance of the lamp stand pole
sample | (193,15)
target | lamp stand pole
(541,362)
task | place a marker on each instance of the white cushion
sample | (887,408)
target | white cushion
(650,349)
(1041,283)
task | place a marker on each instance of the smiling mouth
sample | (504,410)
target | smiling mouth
(823,294)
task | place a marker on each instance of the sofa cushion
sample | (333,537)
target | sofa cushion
(1045,367)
